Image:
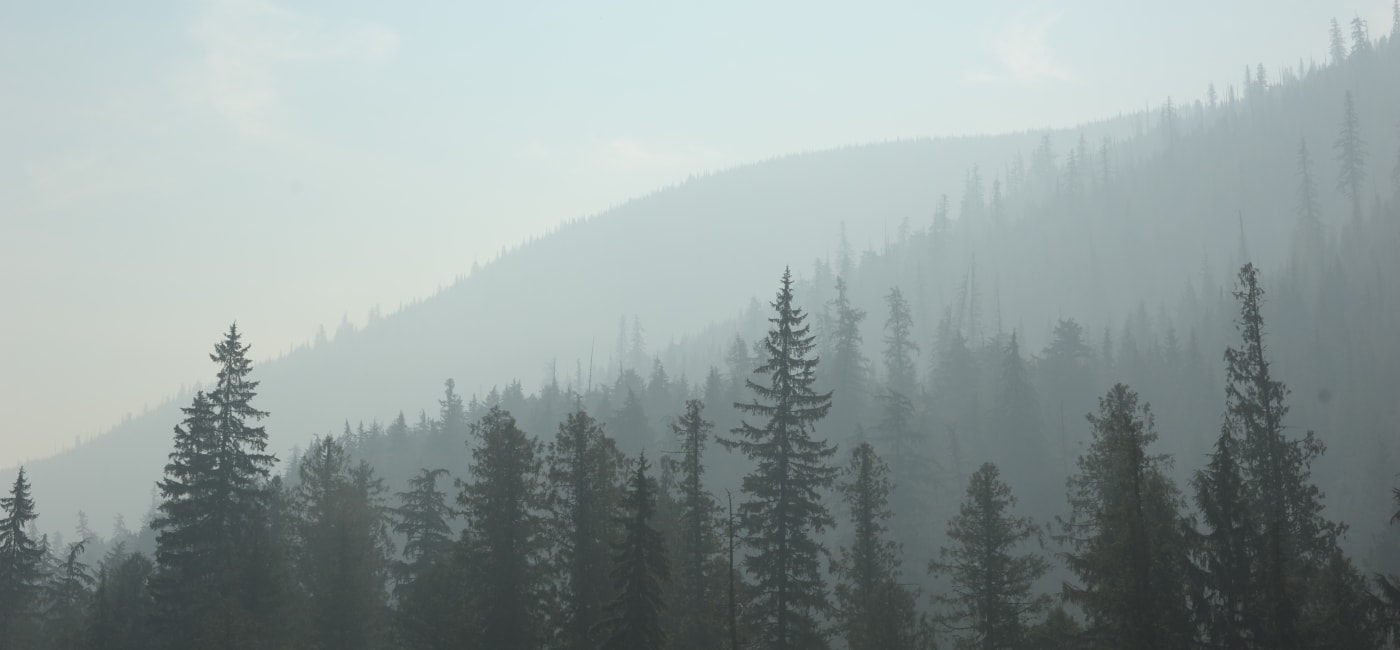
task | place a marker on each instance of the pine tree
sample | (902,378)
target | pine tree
(21,566)
(784,510)
(873,610)
(584,467)
(1360,39)
(1125,534)
(503,541)
(1351,157)
(215,584)
(640,569)
(848,367)
(342,559)
(698,627)
(991,600)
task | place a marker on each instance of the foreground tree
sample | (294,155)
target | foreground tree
(698,623)
(873,610)
(502,545)
(584,468)
(425,580)
(1125,534)
(991,602)
(67,595)
(343,555)
(21,567)
(784,510)
(217,581)
(1295,544)
(640,569)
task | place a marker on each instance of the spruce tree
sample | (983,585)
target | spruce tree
(502,545)
(698,626)
(1351,157)
(123,608)
(1126,535)
(640,569)
(990,603)
(1337,44)
(874,611)
(21,567)
(1308,233)
(784,509)
(584,469)
(900,348)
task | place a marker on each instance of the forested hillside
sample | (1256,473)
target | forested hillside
(1212,283)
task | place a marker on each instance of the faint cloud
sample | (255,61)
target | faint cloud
(1021,54)
(247,45)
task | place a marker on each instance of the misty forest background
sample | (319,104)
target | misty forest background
(891,452)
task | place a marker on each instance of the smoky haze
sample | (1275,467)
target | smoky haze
(444,244)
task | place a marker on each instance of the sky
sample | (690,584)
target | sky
(170,166)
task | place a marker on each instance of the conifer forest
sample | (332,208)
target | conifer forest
(1135,386)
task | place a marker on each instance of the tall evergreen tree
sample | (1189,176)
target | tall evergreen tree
(1227,611)
(874,611)
(21,567)
(1016,423)
(900,348)
(504,537)
(1295,540)
(784,509)
(67,597)
(123,608)
(848,368)
(215,584)
(1308,233)
(640,569)
(1125,534)
(990,602)
(698,627)
(1351,157)
(584,469)
(343,555)
(425,581)
(1337,44)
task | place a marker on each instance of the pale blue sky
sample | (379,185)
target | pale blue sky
(168,166)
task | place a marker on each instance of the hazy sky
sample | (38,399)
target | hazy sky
(169,166)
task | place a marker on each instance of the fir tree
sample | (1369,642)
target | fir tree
(21,566)
(698,626)
(990,602)
(67,596)
(1308,233)
(1337,44)
(424,580)
(1227,612)
(784,510)
(503,540)
(640,568)
(1016,422)
(123,608)
(344,548)
(899,346)
(1351,157)
(848,367)
(873,610)
(215,585)
(584,468)
(1125,534)
(1295,540)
